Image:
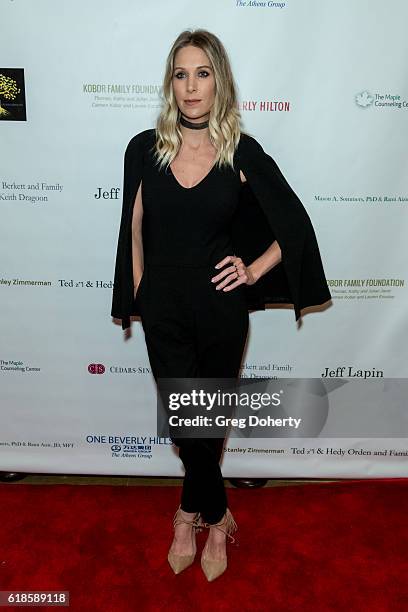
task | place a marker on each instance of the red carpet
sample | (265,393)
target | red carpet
(327,546)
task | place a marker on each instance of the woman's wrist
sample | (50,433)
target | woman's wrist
(258,268)
(268,260)
(255,273)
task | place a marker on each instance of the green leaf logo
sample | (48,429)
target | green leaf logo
(364,99)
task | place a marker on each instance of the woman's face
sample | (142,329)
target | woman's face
(193,80)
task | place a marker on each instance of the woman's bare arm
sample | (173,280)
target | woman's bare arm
(269,259)
(137,240)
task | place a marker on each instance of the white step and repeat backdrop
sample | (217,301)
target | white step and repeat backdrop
(322,85)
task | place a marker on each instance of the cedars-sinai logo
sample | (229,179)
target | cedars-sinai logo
(96,368)
(12,95)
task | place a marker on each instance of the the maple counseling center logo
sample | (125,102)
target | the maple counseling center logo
(364,99)
(12,95)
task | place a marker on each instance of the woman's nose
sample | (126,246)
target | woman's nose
(191,84)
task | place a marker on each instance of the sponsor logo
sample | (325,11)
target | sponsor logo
(271,4)
(12,95)
(122,96)
(372,200)
(114,369)
(100,368)
(129,446)
(365,288)
(40,191)
(71,283)
(265,370)
(111,194)
(364,99)
(13,365)
(22,281)
(351,372)
(265,106)
(96,368)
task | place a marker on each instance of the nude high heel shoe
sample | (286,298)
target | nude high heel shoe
(213,568)
(178,563)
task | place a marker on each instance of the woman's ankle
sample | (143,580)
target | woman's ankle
(226,526)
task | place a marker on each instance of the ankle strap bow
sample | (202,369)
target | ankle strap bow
(227,525)
(196,523)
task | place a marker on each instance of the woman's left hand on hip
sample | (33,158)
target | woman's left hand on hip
(237,272)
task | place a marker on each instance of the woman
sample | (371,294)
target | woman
(207,219)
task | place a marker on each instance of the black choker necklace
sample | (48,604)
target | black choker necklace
(193,126)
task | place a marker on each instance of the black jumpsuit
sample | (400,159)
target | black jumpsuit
(191,328)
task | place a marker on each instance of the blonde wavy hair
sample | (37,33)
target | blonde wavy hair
(224,121)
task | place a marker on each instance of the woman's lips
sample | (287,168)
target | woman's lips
(192,102)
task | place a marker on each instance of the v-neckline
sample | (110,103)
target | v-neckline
(197,184)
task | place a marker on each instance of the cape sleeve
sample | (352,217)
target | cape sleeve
(272,210)
(123,302)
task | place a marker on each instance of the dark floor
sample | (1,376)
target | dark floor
(138,480)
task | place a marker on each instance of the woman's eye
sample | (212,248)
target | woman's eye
(202,72)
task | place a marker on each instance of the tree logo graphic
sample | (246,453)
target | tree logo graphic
(12,95)
(8,91)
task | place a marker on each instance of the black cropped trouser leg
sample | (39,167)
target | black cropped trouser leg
(193,330)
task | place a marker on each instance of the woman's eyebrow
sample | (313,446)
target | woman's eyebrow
(176,67)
